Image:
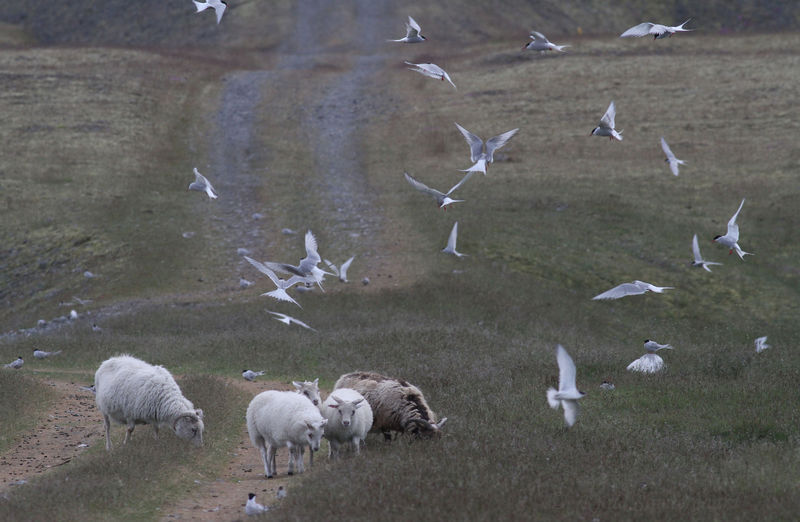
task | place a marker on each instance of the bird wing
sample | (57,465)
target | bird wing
(696,250)
(607,121)
(667,150)
(571,410)
(733,228)
(412,28)
(474,142)
(642,29)
(333,267)
(301,323)
(311,247)
(540,36)
(566,370)
(622,290)
(451,241)
(463,180)
(261,267)
(423,187)
(219,9)
(279,315)
(494,143)
(343,269)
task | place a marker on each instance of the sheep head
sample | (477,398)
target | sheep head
(424,429)
(309,389)
(190,427)
(314,431)
(346,409)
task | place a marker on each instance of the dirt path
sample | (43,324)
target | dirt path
(67,430)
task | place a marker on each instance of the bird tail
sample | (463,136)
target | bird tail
(560,47)
(56,353)
(200,7)
(551,398)
(741,252)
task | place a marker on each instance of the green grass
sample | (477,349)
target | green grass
(568,216)
(25,400)
(134,481)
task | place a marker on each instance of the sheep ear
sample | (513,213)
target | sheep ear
(199,413)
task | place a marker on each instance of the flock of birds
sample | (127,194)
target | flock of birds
(307,273)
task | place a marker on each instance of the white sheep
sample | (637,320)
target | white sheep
(130,391)
(283,418)
(349,418)
(308,389)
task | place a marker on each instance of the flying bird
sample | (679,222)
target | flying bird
(761,344)
(290,320)
(606,127)
(15,364)
(731,238)
(40,354)
(635,288)
(541,43)
(698,259)
(307,267)
(412,33)
(567,394)
(340,272)
(657,30)
(442,200)
(649,362)
(671,159)
(477,147)
(282,285)
(451,242)
(432,71)
(250,375)
(252,507)
(218,5)
(201,184)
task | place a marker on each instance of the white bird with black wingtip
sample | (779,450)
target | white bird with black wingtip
(567,394)
(442,199)
(341,271)
(431,70)
(635,288)
(698,259)
(218,6)
(250,375)
(657,31)
(17,364)
(413,33)
(41,354)
(201,184)
(541,43)
(670,157)
(482,154)
(451,242)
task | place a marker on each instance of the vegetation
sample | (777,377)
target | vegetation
(98,182)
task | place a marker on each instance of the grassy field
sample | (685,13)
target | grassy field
(103,143)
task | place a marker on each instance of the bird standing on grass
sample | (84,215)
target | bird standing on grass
(40,354)
(15,364)
(250,375)
(649,362)
(567,394)
(252,507)
(281,494)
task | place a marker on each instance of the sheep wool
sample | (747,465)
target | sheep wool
(130,391)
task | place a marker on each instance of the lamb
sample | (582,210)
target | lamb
(349,419)
(283,418)
(308,389)
(396,404)
(130,391)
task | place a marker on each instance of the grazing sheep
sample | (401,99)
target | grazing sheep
(283,418)
(396,404)
(130,391)
(349,419)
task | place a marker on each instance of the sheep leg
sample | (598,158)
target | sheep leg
(310,456)
(107,426)
(299,454)
(292,457)
(268,456)
(333,449)
(129,432)
(357,445)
